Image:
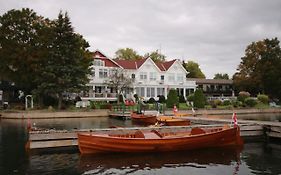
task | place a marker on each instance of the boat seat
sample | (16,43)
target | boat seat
(157,133)
(196,131)
(139,134)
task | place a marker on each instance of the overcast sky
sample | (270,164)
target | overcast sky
(213,33)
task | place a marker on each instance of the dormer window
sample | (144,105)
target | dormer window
(98,62)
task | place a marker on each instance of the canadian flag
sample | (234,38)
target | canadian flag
(175,110)
(234,118)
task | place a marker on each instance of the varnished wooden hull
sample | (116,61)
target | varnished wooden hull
(101,143)
(176,122)
(171,121)
(143,119)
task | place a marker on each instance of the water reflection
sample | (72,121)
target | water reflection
(130,163)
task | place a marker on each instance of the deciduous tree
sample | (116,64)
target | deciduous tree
(259,70)
(127,54)
(119,80)
(193,69)
(221,76)
(21,48)
(155,56)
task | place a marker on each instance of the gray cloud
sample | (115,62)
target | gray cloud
(212,33)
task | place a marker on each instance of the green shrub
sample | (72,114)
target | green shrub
(251,102)
(243,95)
(136,97)
(172,98)
(161,99)
(236,103)
(181,99)
(190,97)
(226,103)
(263,98)
(215,103)
(199,99)
(151,101)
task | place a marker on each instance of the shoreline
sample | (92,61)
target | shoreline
(42,114)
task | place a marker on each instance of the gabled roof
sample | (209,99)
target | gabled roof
(130,64)
(107,61)
(164,66)
(98,54)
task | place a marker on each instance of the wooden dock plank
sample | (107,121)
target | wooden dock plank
(53,144)
(53,136)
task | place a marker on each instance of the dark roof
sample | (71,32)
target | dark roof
(130,64)
(210,81)
(163,66)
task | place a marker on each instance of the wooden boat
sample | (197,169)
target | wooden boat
(158,140)
(177,114)
(171,121)
(143,119)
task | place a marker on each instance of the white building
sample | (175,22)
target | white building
(150,79)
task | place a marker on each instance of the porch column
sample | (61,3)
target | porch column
(166,92)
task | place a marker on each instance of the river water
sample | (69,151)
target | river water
(255,157)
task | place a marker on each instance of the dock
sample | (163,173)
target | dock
(51,139)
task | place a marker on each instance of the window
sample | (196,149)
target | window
(98,62)
(152,76)
(180,78)
(150,92)
(162,77)
(143,76)
(171,77)
(133,76)
(103,73)
(138,91)
(160,91)
(142,91)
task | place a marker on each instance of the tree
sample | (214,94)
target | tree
(172,98)
(199,99)
(221,76)
(259,70)
(68,63)
(127,54)
(193,69)
(21,48)
(155,56)
(248,77)
(119,81)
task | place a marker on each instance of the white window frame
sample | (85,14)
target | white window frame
(143,76)
(152,76)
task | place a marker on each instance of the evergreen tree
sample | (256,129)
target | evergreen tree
(199,99)
(172,98)
(68,63)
